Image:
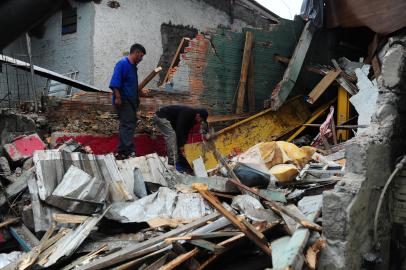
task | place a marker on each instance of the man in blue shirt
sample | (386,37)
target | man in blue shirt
(124,84)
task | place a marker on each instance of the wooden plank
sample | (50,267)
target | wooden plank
(319,89)
(315,115)
(9,221)
(282,91)
(201,236)
(179,260)
(249,232)
(176,57)
(250,85)
(130,252)
(149,77)
(286,60)
(68,218)
(246,58)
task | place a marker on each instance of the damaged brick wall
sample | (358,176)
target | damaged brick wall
(171,38)
(209,70)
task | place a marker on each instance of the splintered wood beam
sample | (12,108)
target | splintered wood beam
(149,78)
(244,72)
(322,86)
(251,233)
(283,89)
(9,221)
(183,43)
(250,85)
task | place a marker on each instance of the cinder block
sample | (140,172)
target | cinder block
(23,147)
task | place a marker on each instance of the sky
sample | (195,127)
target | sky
(285,8)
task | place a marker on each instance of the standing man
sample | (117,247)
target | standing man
(175,122)
(124,84)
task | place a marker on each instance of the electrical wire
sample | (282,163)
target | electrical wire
(399,167)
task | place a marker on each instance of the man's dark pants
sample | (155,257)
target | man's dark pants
(127,117)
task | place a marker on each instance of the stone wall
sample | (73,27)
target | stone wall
(349,209)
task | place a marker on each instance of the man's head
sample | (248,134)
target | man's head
(201,115)
(137,52)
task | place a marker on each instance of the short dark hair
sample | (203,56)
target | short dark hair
(138,47)
(203,113)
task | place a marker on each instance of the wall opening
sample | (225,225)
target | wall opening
(69,21)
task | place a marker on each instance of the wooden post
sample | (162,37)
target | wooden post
(244,72)
(250,86)
(343,113)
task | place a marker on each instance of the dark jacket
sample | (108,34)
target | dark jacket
(182,119)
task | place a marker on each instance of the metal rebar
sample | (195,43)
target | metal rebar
(32,71)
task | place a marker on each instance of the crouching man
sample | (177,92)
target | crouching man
(175,123)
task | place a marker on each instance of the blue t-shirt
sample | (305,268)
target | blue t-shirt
(125,79)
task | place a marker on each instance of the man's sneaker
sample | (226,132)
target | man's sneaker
(131,155)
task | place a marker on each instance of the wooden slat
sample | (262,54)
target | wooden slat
(322,86)
(250,86)
(244,72)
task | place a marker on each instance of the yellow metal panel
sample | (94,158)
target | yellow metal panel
(265,126)
(343,113)
(315,115)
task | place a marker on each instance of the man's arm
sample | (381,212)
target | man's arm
(117,94)
(116,84)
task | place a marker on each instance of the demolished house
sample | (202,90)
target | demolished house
(303,166)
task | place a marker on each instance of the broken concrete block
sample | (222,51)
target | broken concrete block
(20,184)
(4,167)
(23,147)
(28,164)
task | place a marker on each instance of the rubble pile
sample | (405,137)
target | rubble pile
(56,204)
(96,122)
